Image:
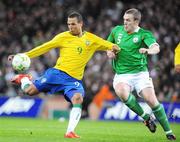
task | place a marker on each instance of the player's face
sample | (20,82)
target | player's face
(74,26)
(129,23)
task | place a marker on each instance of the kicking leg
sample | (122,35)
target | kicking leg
(26,84)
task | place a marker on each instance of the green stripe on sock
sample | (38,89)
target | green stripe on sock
(145,116)
(168,132)
(26,86)
(156,108)
(129,99)
(77,105)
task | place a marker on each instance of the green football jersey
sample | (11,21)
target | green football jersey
(129,60)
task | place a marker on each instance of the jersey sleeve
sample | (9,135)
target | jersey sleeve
(177,55)
(102,44)
(148,38)
(39,50)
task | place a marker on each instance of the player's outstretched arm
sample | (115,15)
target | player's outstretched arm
(112,53)
(177,59)
(116,49)
(177,68)
(153,49)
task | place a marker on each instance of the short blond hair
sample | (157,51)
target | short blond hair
(135,12)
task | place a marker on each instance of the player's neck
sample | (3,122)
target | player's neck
(135,30)
(79,34)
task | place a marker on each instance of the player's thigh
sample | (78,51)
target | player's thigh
(41,86)
(74,92)
(145,88)
(122,85)
(141,81)
(149,96)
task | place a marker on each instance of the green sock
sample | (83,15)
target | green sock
(25,86)
(77,105)
(162,118)
(132,103)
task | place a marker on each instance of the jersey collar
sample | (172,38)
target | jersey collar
(137,29)
(83,33)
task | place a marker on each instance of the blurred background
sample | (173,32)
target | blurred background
(25,24)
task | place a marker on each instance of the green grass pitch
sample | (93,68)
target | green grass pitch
(38,130)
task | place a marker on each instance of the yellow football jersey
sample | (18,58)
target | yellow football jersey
(74,51)
(177,55)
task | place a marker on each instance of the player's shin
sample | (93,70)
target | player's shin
(162,118)
(74,117)
(132,103)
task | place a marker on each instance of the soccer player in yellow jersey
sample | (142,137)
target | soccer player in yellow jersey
(76,49)
(177,58)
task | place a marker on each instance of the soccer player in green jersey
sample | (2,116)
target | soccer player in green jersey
(130,66)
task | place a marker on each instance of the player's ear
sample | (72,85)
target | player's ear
(137,21)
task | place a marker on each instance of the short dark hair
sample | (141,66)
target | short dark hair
(135,12)
(77,15)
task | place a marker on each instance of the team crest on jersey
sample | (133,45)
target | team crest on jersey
(87,42)
(135,39)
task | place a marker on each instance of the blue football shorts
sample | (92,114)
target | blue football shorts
(54,81)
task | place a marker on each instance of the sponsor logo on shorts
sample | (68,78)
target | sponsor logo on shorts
(43,80)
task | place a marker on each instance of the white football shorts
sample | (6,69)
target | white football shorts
(136,81)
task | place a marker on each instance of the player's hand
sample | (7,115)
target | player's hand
(116,49)
(111,54)
(177,68)
(143,50)
(10,57)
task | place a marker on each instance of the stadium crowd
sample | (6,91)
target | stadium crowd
(28,23)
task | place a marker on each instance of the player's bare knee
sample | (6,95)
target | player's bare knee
(152,103)
(121,91)
(77,98)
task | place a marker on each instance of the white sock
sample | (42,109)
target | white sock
(25,82)
(74,118)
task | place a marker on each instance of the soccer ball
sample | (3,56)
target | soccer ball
(21,62)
